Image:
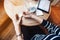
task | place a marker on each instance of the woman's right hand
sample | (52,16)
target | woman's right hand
(32,16)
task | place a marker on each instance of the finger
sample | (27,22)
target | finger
(17,17)
(26,16)
(26,13)
(20,21)
(35,0)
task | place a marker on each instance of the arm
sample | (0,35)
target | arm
(51,27)
(17,22)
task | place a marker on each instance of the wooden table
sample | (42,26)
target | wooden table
(27,22)
(55,15)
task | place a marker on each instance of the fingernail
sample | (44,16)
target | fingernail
(17,17)
(36,0)
(24,13)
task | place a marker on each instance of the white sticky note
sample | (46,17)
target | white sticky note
(39,12)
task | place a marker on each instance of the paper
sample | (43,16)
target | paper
(39,12)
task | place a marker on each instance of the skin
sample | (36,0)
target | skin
(33,16)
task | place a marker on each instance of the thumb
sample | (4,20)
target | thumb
(20,21)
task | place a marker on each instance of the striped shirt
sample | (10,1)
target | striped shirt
(54,32)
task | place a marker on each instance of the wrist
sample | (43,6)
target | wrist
(19,36)
(41,20)
(33,16)
(38,19)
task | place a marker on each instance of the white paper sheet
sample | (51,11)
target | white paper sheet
(39,12)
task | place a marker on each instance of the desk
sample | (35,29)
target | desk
(27,22)
(55,15)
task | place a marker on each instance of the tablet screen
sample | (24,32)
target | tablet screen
(44,5)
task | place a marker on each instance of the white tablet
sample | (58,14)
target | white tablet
(44,5)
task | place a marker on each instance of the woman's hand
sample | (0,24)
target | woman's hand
(17,21)
(32,16)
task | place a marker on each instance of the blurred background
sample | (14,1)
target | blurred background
(7,31)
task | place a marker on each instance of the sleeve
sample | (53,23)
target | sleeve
(51,27)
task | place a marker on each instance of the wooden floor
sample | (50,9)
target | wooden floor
(7,31)
(14,37)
